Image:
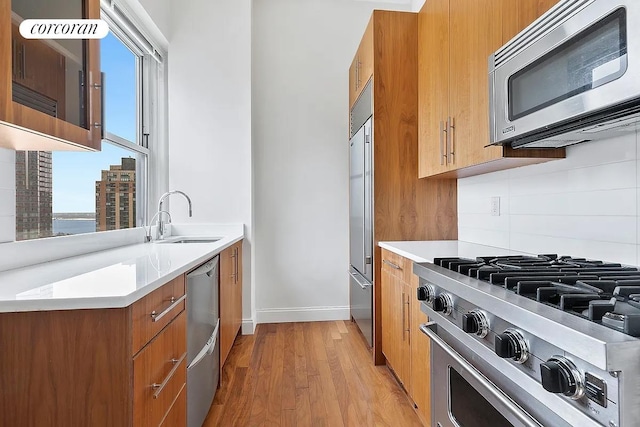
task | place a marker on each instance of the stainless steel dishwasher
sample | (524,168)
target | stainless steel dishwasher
(203,348)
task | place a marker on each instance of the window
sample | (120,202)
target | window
(63,193)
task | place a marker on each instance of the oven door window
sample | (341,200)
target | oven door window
(592,58)
(467,407)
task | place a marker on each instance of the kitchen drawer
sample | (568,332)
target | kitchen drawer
(177,416)
(153,312)
(159,373)
(397,265)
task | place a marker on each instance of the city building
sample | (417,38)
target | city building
(116,197)
(33,195)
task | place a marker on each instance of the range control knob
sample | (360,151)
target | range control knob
(560,375)
(475,322)
(443,303)
(426,293)
(511,345)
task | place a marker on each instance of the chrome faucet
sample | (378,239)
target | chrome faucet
(161,223)
(147,232)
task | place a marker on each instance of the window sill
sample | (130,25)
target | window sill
(37,251)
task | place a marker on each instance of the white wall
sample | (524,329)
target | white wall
(160,13)
(7,195)
(416,5)
(585,205)
(210,117)
(302,50)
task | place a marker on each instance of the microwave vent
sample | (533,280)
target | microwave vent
(552,19)
(627,124)
(552,143)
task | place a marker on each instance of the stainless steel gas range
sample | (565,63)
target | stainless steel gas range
(532,341)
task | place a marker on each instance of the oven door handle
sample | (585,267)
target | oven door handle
(521,414)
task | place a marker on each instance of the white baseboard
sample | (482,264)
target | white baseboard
(302,314)
(248,327)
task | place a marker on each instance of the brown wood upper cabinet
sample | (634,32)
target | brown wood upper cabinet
(361,68)
(230,298)
(51,90)
(455,39)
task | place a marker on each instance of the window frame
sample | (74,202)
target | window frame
(120,27)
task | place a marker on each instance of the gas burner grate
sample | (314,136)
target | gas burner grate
(603,292)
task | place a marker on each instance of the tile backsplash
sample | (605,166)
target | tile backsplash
(585,205)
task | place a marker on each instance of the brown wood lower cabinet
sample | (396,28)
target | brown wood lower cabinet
(159,373)
(230,298)
(178,412)
(406,349)
(83,368)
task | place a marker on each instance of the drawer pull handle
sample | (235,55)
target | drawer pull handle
(160,387)
(155,317)
(392,265)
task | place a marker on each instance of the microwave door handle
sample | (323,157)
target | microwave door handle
(523,417)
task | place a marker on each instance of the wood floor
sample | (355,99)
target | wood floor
(307,374)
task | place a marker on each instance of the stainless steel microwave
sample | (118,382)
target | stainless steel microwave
(571,76)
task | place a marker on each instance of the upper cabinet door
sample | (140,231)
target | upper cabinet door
(474,36)
(362,66)
(433,87)
(51,90)
(353,83)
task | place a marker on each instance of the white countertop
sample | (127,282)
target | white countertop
(426,251)
(111,278)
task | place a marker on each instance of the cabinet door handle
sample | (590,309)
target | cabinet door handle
(159,387)
(404,317)
(82,98)
(355,76)
(407,312)
(234,273)
(237,267)
(101,87)
(443,154)
(392,265)
(155,317)
(452,134)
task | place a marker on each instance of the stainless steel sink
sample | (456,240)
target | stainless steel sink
(191,240)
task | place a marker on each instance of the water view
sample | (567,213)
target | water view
(63,227)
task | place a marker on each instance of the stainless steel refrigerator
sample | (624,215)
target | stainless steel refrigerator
(360,214)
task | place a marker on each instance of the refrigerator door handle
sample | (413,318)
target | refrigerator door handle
(363,285)
(207,349)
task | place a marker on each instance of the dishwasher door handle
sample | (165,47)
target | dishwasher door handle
(207,349)
(204,269)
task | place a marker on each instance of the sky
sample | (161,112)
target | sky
(75,173)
